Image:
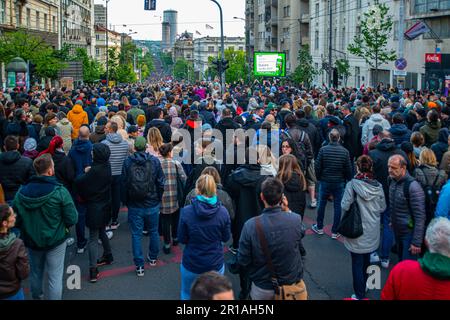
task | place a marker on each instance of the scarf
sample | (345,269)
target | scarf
(211,201)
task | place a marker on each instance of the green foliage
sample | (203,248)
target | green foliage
(30,48)
(305,71)
(92,69)
(125,74)
(183,70)
(167,61)
(343,69)
(237,70)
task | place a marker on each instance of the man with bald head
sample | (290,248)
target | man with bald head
(407,205)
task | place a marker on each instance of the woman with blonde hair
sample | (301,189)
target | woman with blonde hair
(126,103)
(121,123)
(99,115)
(204,227)
(154,142)
(267,160)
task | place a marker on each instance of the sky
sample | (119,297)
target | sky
(193,15)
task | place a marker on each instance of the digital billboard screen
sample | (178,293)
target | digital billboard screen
(269,64)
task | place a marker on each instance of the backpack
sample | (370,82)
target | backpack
(140,184)
(303,159)
(431,197)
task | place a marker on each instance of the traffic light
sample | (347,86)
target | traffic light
(225,65)
(217,65)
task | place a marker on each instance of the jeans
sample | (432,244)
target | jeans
(18,296)
(94,235)
(53,261)
(404,242)
(326,189)
(360,263)
(188,278)
(388,235)
(115,196)
(136,218)
(81,225)
(170,226)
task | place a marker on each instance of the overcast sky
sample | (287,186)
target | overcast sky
(193,15)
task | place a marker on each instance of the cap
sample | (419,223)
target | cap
(140,144)
(134,102)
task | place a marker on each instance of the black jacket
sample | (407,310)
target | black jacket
(284,234)
(94,187)
(15,171)
(351,139)
(333,164)
(208,117)
(197,172)
(44,142)
(64,170)
(441,146)
(295,194)
(313,134)
(296,134)
(162,126)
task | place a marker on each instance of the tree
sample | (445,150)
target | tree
(343,69)
(92,69)
(305,71)
(237,68)
(183,70)
(370,45)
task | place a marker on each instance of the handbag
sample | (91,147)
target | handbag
(295,291)
(180,189)
(351,224)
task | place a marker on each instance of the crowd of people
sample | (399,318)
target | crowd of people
(73,158)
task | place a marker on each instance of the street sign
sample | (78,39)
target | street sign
(401,64)
(149,4)
(400,73)
(433,58)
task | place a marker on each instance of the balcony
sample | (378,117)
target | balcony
(305,18)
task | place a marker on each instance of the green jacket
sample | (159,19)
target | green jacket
(135,112)
(45,211)
(430,132)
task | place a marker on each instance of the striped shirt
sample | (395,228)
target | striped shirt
(119,152)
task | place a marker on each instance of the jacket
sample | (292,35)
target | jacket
(119,152)
(400,212)
(430,132)
(367,130)
(15,170)
(224,125)
(64,169)
(66,129)
(45,212)
(169,203)
(208,117)
(94,188)
(400,133)
(443,205)
(98,135)
(199,165)
(426,176)
(91,111)
(203,228)
(157,177)
(441,146)
(77,116)
(313,134)
(162,126)
(371,203)
(426,279)
(135,112)
(333,164)
(351,138)
(283,231)
(323,126)
(14,265)
(293,190)
(81,155)
(296,134)
(223,197)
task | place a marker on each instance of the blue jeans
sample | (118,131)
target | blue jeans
(136,218)
(388,235)
(81,225)
(360,263)
(52,261)
(188,278)
(326,189)
(404,242)
(18,296)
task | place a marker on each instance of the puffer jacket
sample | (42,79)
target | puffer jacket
(400,214)
(15,170)
(400,133)
(333,164)
(77,116)
(441,146)
(426,175)
(371,203)
(66,129)
(14,265)
(430,132)
(367,130)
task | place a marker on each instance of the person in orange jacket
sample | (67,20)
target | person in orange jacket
(77,116)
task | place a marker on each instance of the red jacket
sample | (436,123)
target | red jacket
(407,281)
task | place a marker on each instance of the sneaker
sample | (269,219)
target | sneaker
(80,250)
(334,236)
(313,204)
(109,234)
(385,263)
(70,241)
(233,250)
(114,226)
(166,249)
(374,258)
(353,297)
(105,260)
(316,230)
(145,233)
(93,275)
(152,262)
(140,271)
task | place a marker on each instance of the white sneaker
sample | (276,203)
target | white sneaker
(334,236)
(313,203)
(385,263)
(109,234)
(374,258)
(70,241)
(80,250)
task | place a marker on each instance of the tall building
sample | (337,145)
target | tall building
(346,24)
(170,17)
(210,47)
(277,26)
(78,24)
(100,15)
(184,47)
(165,36)
(114,41)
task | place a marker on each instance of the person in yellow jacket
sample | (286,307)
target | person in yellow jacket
(77,116)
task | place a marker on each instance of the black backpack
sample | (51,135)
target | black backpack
(431,197)
(140,184)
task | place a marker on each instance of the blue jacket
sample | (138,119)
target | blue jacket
(203,228)
(400,133)
(81,155)
(443,205)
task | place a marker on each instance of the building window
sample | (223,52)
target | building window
(343,40)
(316,40)
(260,17)
(38,21)
(317,9)
(210,49)
(54,23)
(45,22)
(358,4)
(18,15)
(428,6)
(286,11)
(440,27)
(358,30)
(28,18)
(2,11)
(241,48)
(357,77)
(286,32)
(97,37)
(97,52)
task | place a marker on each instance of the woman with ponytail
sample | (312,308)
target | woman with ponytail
(204,226)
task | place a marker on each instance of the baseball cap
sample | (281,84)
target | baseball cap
(140,144)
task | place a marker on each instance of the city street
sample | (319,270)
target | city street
(327,269)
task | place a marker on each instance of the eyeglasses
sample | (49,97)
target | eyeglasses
(285,147)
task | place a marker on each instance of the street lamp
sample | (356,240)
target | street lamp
(106,41)
(222,49)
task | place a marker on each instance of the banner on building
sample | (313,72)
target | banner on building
(149,4)
(433,58)
(416,30)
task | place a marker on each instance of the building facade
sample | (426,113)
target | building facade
(115,41)
(210,47)
(277,26)
(100,15)
(77,25)
(169,29)
(346,24)
(184,47)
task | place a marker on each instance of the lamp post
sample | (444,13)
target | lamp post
(222,49)
(106,42)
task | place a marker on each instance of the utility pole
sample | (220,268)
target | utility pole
(401,30)
(330,49)
(222,49)
(106,42)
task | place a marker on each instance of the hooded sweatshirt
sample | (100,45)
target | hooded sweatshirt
(367,130)
(81,155)
(15,170)
(203,228)
(77,116)
(371,203)
(400,133)
(119,151)
(430,132)
(66,129)
(441,146)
